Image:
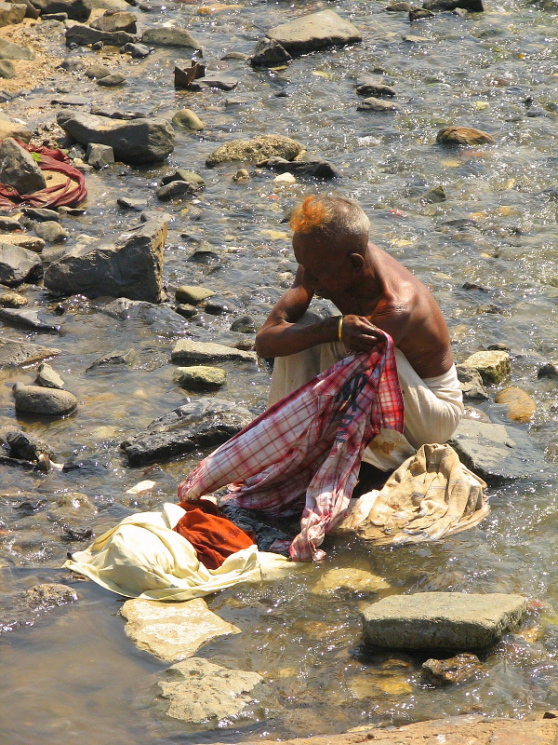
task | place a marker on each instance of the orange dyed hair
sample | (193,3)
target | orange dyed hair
(311,215)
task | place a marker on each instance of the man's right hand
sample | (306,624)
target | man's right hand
(359,334)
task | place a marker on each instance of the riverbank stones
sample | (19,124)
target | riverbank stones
(200,378)
(442,620)
(202,692)
(34,399)
(315,31)
(463,136)
(172,631)
(198,351)
(493,366)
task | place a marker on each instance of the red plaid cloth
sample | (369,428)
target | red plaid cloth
(304,452)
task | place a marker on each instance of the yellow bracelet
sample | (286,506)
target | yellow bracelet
(340,329)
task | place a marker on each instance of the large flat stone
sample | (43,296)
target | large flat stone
(173,631)
(315,31)
(201,424)
(201,692)
(15,353)
(497,453)
(131,267)
(442,620)
(186,351)
(78,33)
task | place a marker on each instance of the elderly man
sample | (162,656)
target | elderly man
(372,291)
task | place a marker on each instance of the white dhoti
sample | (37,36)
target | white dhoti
(433,406)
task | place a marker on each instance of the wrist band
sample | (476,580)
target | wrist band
(340,329)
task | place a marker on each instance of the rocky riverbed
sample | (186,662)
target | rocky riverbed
(127,320)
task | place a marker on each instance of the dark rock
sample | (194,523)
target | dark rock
(205,254)
(40,214)
(549,370)
(269,53)
(70,535)
(258,148)
(315,31)
(138,51)
(114,358)
(374,88)
(191,352)
(420,14)
(29,318)
(97,71)
(50,595)
(51,231)
(319,169)
(34,399)
(15,353)
(435,195)
(442,620)
(132,267)
(181,174)
(11,14)
(134,141)
(18,265)
(463,136)
(202,424)
(471,383)
(7,69)
(377,104)
(185,310)
(9,50)
(18,169)
(455,670)
(25,446)
(244,324)
(99,156)
(119,21)
(111,80)
(497,453)
(48,378)
(170,36)
(176,189)
(9,224)
(83,36)
(77,10)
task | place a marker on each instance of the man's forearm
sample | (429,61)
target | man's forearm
(286,338)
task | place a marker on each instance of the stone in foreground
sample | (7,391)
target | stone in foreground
(34,399)
(493,366)
(442,620)
(315,31)
(197,425)
(201,692)
(186,351)
(172,631)
(132,140)
(497,453)
(130,268)
(256,149)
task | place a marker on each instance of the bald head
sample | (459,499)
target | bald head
(332,221)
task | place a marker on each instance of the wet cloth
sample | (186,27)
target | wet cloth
(303,454)
(430,496)
(433,406)
(143,557)
(67,187)
(212,534)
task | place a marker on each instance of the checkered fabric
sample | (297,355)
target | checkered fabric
(304,453)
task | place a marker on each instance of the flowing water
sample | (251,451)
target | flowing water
(73,672)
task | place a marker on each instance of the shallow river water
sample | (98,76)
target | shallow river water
(73,672)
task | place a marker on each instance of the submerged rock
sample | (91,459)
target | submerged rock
(18,169)
(377,104)
(201,692)
(131,268)
(473,6)
(51,231)
(463,136)
(348,580)
(15,353)
(133,140)
(172,631)
(18,265)
(520,407)
(29,317)
(200,378)
(49,595)
(186,350)
(315,31)
(34,399)
(256,149)
(442,620)
(114,358)
(454,670)
(205,423)
(493,366)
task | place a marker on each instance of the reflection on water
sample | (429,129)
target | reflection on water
(74,672)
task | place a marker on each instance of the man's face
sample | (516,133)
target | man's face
(327,268)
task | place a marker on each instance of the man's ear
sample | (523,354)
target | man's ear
(357,262)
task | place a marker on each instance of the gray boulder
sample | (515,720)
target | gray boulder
(116,22)
(18,265)
(15,353)
(187,351)
(82,35)
(132,140)
(132,267)
(202,424)
(10,13)
(76,10)
(34,399)
(170,36)
(497,453)
(315,31)
(442,620)
(269,53)
(18,169)
(9,50)
(256,149)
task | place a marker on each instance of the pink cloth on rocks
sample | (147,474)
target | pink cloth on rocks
(304,452)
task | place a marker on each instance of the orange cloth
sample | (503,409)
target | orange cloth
(212,534)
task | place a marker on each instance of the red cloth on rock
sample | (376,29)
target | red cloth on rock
(305,451)
(212,534)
